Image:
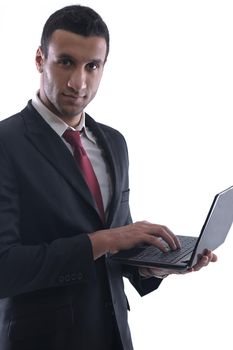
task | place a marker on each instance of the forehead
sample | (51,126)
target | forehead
(80,47)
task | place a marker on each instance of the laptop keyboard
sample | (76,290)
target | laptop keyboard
(152,253)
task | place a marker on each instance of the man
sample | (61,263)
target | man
(64,205)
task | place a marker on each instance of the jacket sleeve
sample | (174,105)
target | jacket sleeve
(25,268)
(143,286)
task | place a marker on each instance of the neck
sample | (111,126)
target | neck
(72,121)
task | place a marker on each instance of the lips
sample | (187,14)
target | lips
(75,97)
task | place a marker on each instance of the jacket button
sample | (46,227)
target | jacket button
(79,276)
(67,278)
(73,276)
(61,279)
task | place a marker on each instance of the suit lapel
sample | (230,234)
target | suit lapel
(51,146)
(111,155)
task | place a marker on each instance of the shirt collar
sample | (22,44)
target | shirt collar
(56,123)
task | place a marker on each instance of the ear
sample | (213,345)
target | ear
(39,60)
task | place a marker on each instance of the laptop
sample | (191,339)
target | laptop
(213,233)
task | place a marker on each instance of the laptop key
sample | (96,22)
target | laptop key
(152,253)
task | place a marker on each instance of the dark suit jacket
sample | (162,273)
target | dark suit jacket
(53,295)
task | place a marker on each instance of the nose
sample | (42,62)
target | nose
(77,80)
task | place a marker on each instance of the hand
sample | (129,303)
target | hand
(203,260)
(129,236)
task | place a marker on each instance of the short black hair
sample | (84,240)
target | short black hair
(77,19)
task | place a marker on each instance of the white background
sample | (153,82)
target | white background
(168,88)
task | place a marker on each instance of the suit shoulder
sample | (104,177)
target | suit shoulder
(14,124)
(9,120)
(109,130)
(112,135)
(10,124)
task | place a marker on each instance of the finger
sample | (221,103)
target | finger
(157,242)
(176,239)
(203,261)
(167,235)
(212,257)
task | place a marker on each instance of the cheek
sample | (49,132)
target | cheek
(52,83)
(95,82)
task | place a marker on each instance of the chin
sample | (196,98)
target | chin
(68,114)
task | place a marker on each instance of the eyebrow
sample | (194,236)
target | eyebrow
(65,55)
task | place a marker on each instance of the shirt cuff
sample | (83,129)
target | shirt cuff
(146,272)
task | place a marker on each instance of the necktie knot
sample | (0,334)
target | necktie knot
(74,139)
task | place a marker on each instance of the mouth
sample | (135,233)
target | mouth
(73,96)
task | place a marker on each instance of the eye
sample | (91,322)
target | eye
(66,62)
(92,66)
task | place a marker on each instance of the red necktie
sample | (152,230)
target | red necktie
(80,155)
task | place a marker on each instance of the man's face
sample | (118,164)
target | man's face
(71,73)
